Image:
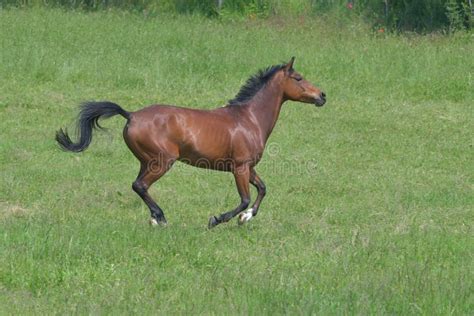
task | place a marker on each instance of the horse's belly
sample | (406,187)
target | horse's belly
(216,156)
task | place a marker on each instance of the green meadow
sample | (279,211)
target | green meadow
(370,198)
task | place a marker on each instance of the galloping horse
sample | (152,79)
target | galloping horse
(230,138)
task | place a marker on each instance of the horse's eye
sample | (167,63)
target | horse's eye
(298,78)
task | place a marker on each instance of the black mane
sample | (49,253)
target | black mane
(254,84)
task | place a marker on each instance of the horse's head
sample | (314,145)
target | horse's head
(296,88)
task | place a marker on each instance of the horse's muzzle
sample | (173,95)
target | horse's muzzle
(321,100)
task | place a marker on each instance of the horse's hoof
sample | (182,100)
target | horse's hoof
(153,222)
(212,222)
(244,217)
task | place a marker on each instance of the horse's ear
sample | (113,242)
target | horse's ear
(289,67)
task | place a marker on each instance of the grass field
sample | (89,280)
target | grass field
(370,199)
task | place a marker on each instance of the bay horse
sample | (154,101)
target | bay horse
(231,138)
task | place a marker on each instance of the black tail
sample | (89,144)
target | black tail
(88,119)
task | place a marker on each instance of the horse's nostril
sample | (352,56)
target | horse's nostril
(323,95)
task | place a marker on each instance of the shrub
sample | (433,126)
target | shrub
(396,15)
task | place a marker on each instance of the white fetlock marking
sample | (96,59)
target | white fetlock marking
(246,216)
(153,222)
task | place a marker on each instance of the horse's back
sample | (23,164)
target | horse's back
(183,133)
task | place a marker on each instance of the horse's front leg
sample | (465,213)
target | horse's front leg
(261,190)
(242,176)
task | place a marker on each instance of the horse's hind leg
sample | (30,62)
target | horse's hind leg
(149,173)
(261,190)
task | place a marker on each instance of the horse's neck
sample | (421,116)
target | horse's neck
(266,109)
